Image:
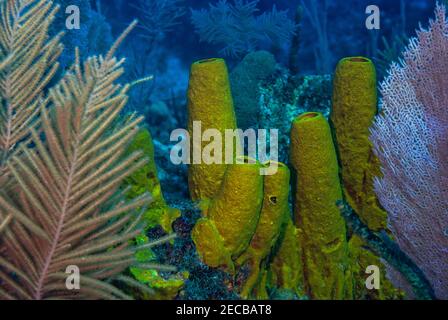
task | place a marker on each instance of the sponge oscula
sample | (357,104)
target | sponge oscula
(322,232)
(210,104)
(354,108)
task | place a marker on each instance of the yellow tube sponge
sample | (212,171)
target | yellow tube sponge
(322,232)
(210,245)
(275,210)
(210,103)
(286,270)
(231,218)
(145,180)
(354,108)
(236,207)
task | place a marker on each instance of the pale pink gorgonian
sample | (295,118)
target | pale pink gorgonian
(410,137)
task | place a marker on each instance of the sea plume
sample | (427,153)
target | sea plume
(411,140)
(28,62)
(67,207)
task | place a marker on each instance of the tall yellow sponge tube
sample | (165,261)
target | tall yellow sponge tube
(210,104)
(321,228)
(354,108)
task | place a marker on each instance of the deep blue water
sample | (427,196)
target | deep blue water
(172,34)
(346,33)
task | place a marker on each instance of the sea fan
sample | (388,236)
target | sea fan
(411,140)
(68,205)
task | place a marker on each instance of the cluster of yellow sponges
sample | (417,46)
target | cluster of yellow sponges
(241,224)
(243,211)
(247,221)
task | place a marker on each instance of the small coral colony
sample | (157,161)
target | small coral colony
(352,202)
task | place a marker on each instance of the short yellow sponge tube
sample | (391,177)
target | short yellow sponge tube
(231,218)
(286,269)
(275,210)
(145,180)
(321,228)
(354,108)
(236,208)
(210,103)
(210,245)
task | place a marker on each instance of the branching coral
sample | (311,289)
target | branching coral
(236,28)
(6,60)
(411,140)
(390,52)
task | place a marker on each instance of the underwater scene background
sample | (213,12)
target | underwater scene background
(97,97)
